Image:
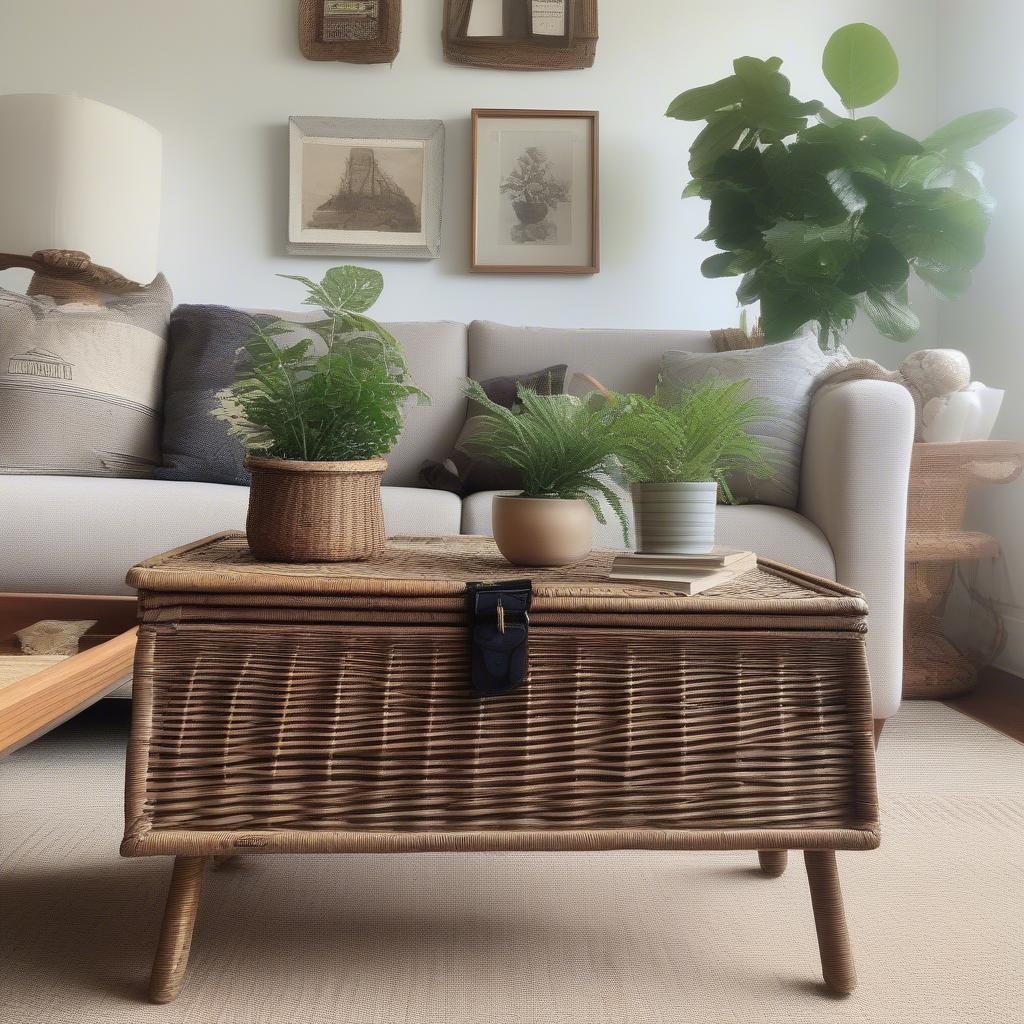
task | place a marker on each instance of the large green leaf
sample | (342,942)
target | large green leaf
(949,282)
(860,64)
(352,289)
(719,265)
(796,240)
(890,314)
(968,131)
(883,266)
(733,222)
(721,134)
(697,104)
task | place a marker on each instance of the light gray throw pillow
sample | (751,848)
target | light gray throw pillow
(786,374)
(80,384)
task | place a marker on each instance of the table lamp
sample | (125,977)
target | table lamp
(79,196)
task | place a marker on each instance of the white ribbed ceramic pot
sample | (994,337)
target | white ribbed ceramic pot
(676,518)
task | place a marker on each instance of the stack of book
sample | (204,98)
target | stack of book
(685,574)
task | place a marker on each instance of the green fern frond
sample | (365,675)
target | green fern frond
(561,444)
(701,435)
(335,396)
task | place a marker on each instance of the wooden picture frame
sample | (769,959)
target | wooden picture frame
(380,47)
(393,211)
(535,192)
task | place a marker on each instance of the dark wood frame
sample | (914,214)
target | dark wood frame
(381,50)
(594,266)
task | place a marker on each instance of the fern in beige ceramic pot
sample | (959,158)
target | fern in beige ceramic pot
(677,455)
(564,448)
(317,412)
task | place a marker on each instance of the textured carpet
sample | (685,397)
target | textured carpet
(936,914)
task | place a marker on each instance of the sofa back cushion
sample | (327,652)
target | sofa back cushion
(620,359)
(785,375)
(201,361)
(80,383)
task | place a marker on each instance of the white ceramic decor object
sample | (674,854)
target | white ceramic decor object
(944,420)
(982,423)
(967,415)
(675,518)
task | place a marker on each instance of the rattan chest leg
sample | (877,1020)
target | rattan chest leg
(773,862)
(176,933)
(830,921)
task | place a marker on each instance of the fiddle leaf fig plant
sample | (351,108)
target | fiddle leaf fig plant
(822,214)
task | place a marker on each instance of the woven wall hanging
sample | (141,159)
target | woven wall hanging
(356,31)
(536,35)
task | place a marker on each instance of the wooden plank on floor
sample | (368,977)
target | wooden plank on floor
(32,706)
(997,701)
(114,615)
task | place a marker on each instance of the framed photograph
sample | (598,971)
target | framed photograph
(535,192)
(362,187)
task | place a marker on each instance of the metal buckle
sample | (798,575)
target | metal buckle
(499,634)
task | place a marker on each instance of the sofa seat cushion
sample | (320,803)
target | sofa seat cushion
(81,535)
(775,533)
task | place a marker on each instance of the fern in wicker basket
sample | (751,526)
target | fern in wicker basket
(317,415)
(336,394)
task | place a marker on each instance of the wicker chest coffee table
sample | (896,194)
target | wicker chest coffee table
(327,709)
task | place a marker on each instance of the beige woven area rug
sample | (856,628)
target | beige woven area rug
(936,914)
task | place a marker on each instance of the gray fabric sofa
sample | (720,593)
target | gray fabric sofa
(80,535)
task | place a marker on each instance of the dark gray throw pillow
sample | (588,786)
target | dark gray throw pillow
(462,473)
(202,347)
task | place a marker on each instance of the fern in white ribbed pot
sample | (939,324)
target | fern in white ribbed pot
(677,455)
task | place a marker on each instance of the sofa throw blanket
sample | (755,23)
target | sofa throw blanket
(786,374)
(80,384)
(462,473)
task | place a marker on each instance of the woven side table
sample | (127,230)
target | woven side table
(327,709)
(941,478)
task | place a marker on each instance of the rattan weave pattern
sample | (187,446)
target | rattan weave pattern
(327,707)
(610,732)
(441,566)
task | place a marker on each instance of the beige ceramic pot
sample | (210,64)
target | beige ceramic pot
(315,511)
(542,531)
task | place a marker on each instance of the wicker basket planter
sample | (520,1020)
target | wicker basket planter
(315,511)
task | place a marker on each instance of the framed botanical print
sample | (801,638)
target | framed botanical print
(365,187)
(535,192)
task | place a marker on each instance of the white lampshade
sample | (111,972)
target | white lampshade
(77,174)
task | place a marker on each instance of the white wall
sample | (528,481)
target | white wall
(981,67)
(219,78)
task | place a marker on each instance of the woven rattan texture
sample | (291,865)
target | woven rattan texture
(374,729)
(380,50)
(327,707)
(327,512)
(440,566)
(520,54)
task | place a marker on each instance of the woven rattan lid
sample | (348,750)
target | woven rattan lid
(441,567)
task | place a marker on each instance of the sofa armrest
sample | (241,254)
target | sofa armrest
(853,487)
